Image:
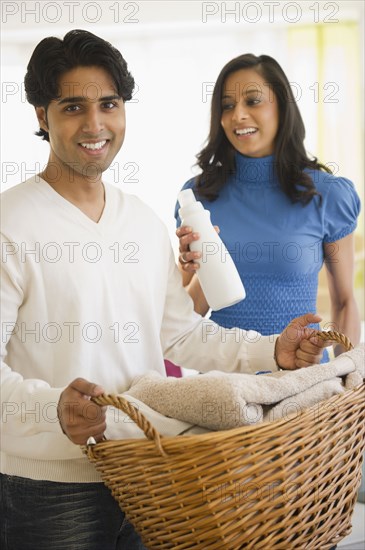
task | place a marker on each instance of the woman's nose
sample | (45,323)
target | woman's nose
(240,112)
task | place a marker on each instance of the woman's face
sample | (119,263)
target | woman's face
(250,113)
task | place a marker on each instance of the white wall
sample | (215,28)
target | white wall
(175,51)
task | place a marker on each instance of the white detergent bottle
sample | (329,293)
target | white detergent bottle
(218,276)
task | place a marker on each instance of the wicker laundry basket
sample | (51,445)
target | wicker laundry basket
(288,484)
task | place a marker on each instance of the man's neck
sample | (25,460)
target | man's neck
(88,194)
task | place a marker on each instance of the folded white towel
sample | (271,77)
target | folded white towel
(217,400)
(122,426)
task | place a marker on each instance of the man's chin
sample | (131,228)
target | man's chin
(94,170)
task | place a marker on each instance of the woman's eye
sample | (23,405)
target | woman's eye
(253,101)
(227,106)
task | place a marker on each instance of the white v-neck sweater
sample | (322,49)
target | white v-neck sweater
(102,301)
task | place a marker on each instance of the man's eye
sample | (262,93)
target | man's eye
(72,108)
(109,105)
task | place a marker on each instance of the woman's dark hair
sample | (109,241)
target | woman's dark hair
(53,57)
(217,158)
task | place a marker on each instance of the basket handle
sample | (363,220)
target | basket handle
(336,337)
(134,414)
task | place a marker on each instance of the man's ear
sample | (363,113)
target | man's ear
(42,118)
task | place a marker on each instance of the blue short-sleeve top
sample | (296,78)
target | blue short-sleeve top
(277,245)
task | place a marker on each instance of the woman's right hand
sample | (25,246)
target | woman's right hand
(187,258)
(188,265)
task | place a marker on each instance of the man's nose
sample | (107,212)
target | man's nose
(93,122)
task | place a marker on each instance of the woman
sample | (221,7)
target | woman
(281,214)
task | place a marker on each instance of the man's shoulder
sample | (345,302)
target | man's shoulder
(134,205)
(17,198)
(18,190)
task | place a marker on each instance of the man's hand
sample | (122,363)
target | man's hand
(297,346)
(79,417)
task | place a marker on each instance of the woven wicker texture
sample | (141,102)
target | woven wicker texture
(288,484)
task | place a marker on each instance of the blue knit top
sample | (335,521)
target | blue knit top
(276,245)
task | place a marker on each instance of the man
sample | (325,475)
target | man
(91,298)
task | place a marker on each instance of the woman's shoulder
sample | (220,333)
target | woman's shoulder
(190,184)
(329,183)
(335,189)
(341,204)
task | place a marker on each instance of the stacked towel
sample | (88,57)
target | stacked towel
(219,401)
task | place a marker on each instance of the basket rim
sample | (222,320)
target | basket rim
(259,429)
(152,434)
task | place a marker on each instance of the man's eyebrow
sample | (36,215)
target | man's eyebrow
(82,99)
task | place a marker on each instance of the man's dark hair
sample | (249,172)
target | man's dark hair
(53,57)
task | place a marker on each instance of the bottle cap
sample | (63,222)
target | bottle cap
(186,197)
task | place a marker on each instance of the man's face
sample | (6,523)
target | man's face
(86,124)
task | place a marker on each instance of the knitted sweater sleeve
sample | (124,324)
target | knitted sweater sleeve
(21,399)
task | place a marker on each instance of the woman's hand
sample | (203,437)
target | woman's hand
(187,258)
